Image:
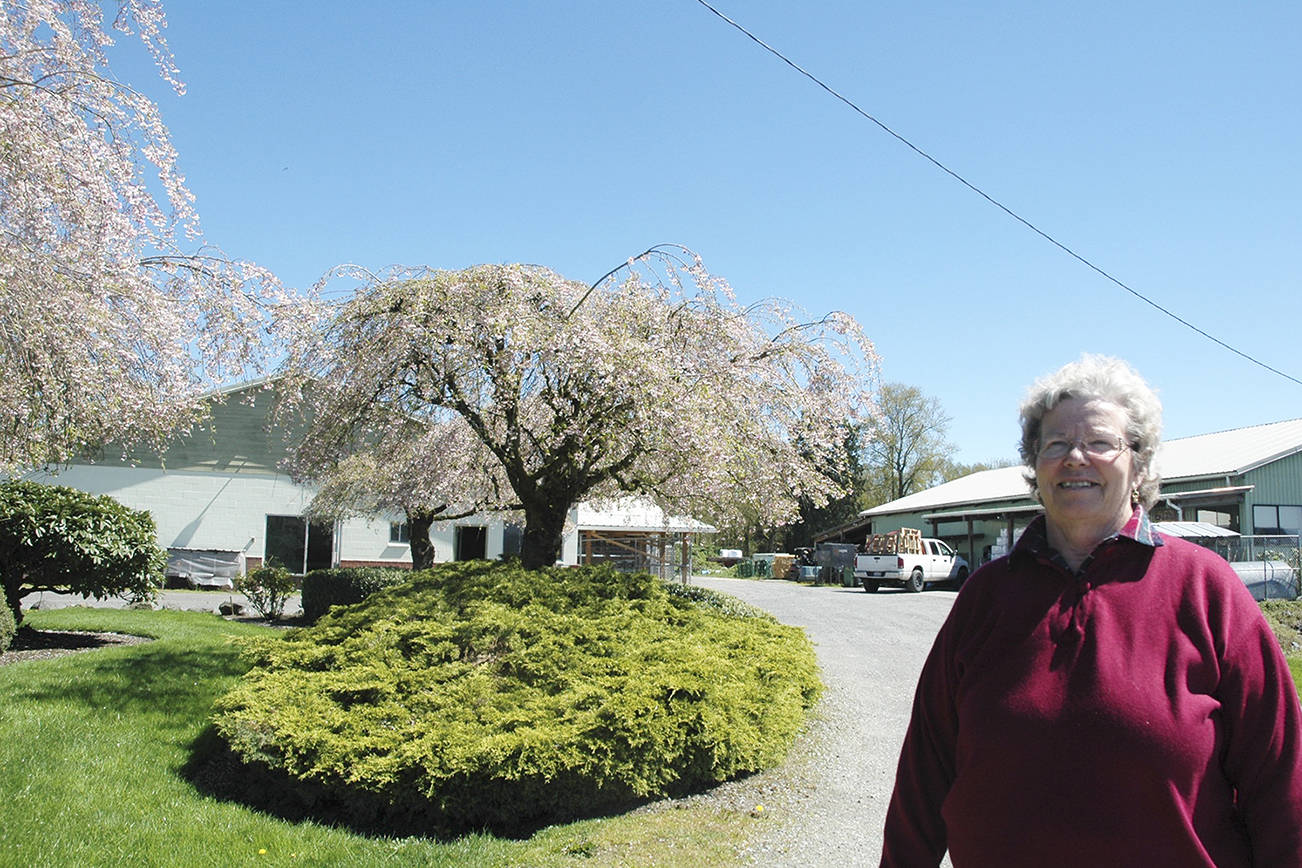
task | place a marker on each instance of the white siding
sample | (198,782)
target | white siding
(226,511)
(203,509)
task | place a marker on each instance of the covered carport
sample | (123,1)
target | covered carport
(639,537)
(977,521)
(1184,506)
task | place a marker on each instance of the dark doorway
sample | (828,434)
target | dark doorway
(472,543)
(512,539)
(298,546)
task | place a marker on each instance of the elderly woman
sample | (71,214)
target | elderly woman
(1102,696)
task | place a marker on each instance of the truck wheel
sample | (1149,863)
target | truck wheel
(871,585)
(915,582)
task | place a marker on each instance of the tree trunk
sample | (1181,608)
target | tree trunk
(544,531)
(422,548)
(14,600)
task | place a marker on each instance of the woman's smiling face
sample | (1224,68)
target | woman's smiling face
(1089,489)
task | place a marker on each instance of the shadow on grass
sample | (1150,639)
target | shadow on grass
(159,678)
(504,809)
(30,639)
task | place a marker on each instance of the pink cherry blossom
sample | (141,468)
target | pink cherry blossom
(115,317)
(533,392)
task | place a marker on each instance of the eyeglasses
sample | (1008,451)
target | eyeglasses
(1102,448)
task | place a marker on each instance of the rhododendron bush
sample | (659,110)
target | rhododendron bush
(114,314)
(535,392)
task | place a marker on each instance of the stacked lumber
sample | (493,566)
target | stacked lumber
(782,565)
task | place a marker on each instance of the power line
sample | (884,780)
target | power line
(993,201)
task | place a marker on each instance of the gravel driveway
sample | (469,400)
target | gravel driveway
(827,802)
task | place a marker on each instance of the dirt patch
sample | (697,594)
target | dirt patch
(1285,618)
(46,644)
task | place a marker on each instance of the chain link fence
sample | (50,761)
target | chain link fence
(1271,566)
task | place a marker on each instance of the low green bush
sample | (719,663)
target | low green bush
(345,586)
(725,603)
(8,627)
(483,695)
(267,589)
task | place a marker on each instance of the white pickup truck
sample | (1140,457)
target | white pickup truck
(908,561)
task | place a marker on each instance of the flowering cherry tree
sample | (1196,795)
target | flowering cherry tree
(114,315)
(653,381)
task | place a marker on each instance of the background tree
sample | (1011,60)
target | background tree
(657,383)
(837,511)
(956,469)
(114,317)
(905,449)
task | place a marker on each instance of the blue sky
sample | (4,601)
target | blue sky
(1159,140)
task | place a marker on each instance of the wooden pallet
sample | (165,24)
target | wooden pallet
(906,540)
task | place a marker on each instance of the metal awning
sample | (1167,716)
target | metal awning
(1192,529)
(957,514)
(1229,492)
(841,531)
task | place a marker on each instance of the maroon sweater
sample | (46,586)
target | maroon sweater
(1140,713)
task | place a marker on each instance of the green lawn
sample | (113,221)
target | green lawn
(93,746)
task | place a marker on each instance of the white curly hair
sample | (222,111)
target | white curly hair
(1100,378)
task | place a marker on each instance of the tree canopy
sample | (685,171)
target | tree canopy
(116,316)
(654,381)
(904,449)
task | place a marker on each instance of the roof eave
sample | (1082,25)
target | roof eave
(880,510)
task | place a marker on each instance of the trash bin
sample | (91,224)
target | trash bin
(745,569)
(764,563)
(847,577)
(809,573)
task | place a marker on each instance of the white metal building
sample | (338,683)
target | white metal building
(219,491)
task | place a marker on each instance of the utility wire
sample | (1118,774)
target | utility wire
(993,201)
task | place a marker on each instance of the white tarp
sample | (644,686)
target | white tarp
(208,568)
(1268,580)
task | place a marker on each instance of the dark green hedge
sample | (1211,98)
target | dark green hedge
(61,539)
(344,587)
(483,695)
